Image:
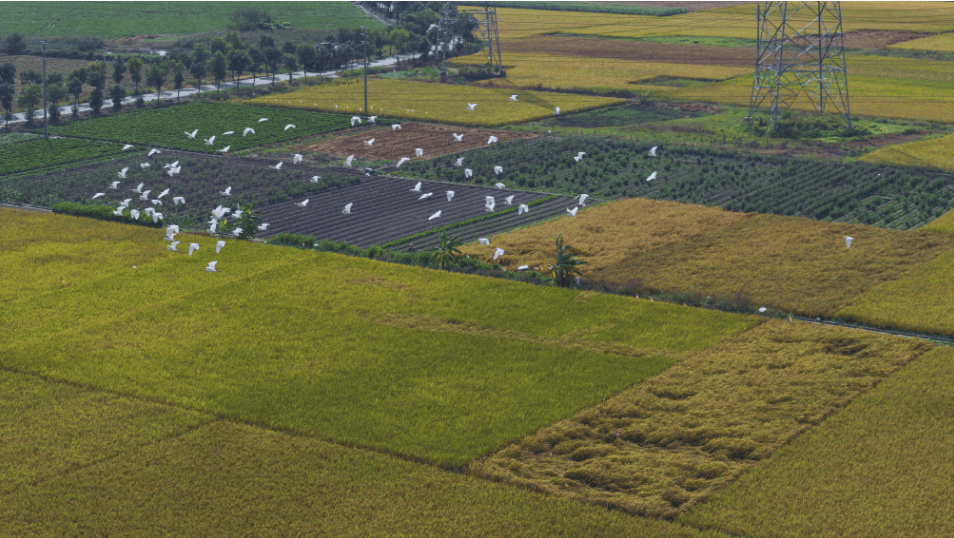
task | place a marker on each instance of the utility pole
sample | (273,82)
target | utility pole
(45,120)
(366,111)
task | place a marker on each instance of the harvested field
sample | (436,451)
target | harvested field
(385,210)
(792,264)
(435,140)
(934,153)
(870,470)
(879,39)
(617,49)
(662,446)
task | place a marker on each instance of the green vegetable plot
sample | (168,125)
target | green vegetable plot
(42,153)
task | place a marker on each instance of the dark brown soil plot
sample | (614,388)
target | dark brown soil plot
(435,140)
(384,209)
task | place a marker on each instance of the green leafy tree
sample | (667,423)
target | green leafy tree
(235,41)
(56,93)
(30,97)
(566,264)
(29,76)
(219,44)
(75,87)
(177,69)
(15,44)
(7,93)
(96,100)
(80,74)
(447,251)
(198,71)
(273,57)
(291,64)
(200,54)
(117,93)
(256,61)
(7,73)
(306,56)
(119,70)
(134,65)
(219,66)
(249,221)
(96,75)
(238,63)
(266,41)
(54,78)
(323,54)
(156,78)
(288,48)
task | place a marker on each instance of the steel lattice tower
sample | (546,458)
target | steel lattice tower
(444,34)
(801,52)
(487,27)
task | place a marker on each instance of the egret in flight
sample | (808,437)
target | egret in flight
(459,162)
(468,172)
(122,173)
(651,177)
(152,152)
(227,191)
(483,241)
(303,203)
(178,200)
(583,198)
(572,212)
(417,188)
(491,140)
(144,165)
(347,208)
(513,97)
(435,215)
(97,195)
(395,126)
(114,185)
(368,143)
(211,268)
(652,151)
(418,152)
(248,130)
(218,246)
(192,134)
(263,226)
(499,185)
(372,119)
(579,156)
(127,146)
(224,150)
(277,166)
(471,106)
(498,170)
(524,208)
(450,195)
(355,119)
(509,199)
(172,246)
(315,179)
(402,161)
(289,126)
(226,133)
(498,253)
(297,158)
(209,141)
(458,137)
(349,159)
(425,195)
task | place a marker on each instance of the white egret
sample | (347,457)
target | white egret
(218,246)
(372,119)
(114,185)
(118,212)
(513,97)
(418,152)
(435,215)
(226,133)
(458,137)
(468,172)
(227,191)
(483,241)
(263,226)
(652,151)
(209,141)
(347,208)
(355,119)
(349,159)
(262,119)
(509,199)
(172,246)
(498,253)
(144,165)
(499,185)
(395,126)
(369,142)
(297,158)
(211,267)
(498,170)
(156,217)
(138,189)
(171,165)
(490,204)
(156,202)
(302,203)
(583,198)
(315,179)
(97,195)
(134,214)
(425,195)
(212,224)
(163,193)
(237,214)
(172,228)
(556,111)
(491,140)
(224,150)
(417,188)
(450,195)
(174,171)
(145,195)
(459,162)
(125,202)
(171,235)
(402,161)
(523,268)
(277,166)
(247,131)
(651,177)
(220,211)
(848,239)
(572,212)
(152,152)
(149,211)
(524,208)
(237,232)
(127,146)
(192,134)
(178,200)
(763,309)
(122,173)
(471,106)
(579,156)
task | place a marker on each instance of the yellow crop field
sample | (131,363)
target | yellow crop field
(943,224)
(933,153)
(660,447)
(794,264)
(570,73)
(433,102)
(939,42)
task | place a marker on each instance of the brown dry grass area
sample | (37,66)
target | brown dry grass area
(659,447)
(879,39)
(794,264)
(618,49)
(606,235)
(435,140)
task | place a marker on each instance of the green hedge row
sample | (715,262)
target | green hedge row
(102,212)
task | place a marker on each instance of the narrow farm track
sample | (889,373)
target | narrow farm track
(385,209)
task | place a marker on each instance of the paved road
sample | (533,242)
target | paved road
(185,92)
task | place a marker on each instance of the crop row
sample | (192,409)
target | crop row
(167,127)
(34,154)
(886,196)
(433,102)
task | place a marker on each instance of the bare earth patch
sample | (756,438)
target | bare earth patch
(435,140)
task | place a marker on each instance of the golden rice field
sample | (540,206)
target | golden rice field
(939,42)
(447,103)
(872,469)
(942,224)
(794,264)
(572,72)
(660,447)
(933,153)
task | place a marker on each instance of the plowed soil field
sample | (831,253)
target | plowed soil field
(435,140)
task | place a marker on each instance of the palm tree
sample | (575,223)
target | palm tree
(566,264)
(447,250)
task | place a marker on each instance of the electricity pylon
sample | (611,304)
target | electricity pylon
(487,28)
(801,53)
